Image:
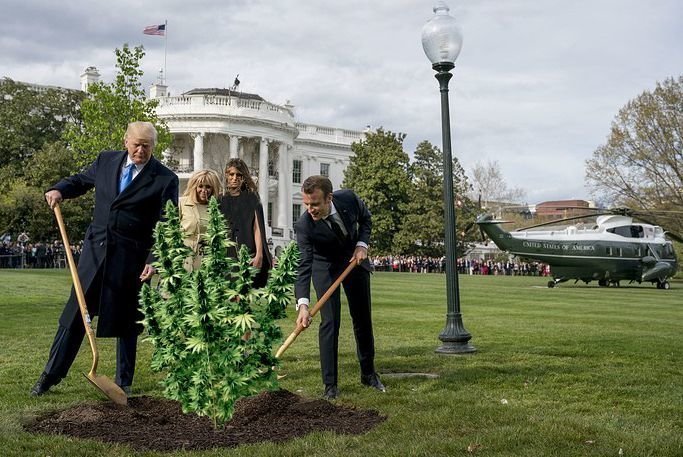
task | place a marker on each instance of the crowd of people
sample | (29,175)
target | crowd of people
(51,255)
(14,254)
(424,264)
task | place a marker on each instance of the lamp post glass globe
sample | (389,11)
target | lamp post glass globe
(441,37)
(442,40)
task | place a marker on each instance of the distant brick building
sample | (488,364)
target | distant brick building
(562,208)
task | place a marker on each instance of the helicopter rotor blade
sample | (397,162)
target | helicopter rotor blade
(649,217)
(559,221)
(674,236)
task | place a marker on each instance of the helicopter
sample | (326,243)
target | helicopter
(616,248)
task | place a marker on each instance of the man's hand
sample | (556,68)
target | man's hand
(53,197)
(147,272)
(359,254)
(304,318)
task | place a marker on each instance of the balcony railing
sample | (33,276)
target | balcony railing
(312,132)
(193,105)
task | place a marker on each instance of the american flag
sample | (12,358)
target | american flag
(155,29)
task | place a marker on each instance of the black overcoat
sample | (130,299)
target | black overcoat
(119,239)
(241,213)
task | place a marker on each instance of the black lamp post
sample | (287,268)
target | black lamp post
(441,40)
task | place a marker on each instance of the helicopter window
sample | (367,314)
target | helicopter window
(637,231)
(668,251)
(627,231)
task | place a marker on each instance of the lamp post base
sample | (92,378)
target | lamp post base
(454,338)
(453,347)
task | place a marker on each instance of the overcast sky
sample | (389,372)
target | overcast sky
(536,86)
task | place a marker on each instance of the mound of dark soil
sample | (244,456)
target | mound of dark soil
(159,424)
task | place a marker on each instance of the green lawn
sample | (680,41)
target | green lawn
(572,371)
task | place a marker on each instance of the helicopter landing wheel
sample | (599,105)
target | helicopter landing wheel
(551,284)
(666,285)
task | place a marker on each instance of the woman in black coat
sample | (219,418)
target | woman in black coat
(243,211)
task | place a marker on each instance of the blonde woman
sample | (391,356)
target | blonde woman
(193,207)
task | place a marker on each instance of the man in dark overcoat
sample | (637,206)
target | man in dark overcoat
(334,231)
(132,188)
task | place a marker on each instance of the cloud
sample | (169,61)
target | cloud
(535,87)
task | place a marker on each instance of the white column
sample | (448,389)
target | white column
(198,152)
(283,200)
(308,168)
(234,140)
(263,175)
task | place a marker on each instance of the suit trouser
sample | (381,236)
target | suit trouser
(357,290)
(68,341)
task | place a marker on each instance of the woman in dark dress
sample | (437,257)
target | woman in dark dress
(243,211)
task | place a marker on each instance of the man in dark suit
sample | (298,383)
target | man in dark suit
(334,231)
(132,188)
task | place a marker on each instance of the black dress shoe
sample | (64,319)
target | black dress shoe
(331,392)
(42,385)
(372,380)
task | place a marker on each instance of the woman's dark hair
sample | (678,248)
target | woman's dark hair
(248,184)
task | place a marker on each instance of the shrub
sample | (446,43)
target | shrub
(212,333)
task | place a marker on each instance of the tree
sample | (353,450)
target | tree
(110,107)
(378,173)
(422,231)
(22,202)
(489,184)
(31,117)
(641,164)
(212,334)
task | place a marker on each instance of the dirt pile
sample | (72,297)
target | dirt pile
(149,423)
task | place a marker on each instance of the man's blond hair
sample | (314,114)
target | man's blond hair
(141,127)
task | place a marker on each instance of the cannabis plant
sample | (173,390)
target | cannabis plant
(213,334)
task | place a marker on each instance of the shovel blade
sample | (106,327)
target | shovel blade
(108,388)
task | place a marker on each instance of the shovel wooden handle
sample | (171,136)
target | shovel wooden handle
(318,305)
(79,290)
(106,385)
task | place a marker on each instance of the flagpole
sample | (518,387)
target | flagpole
(165,47)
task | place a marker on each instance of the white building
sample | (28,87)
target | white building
(210,126)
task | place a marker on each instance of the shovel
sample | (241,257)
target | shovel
(318,305)
(106,385)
